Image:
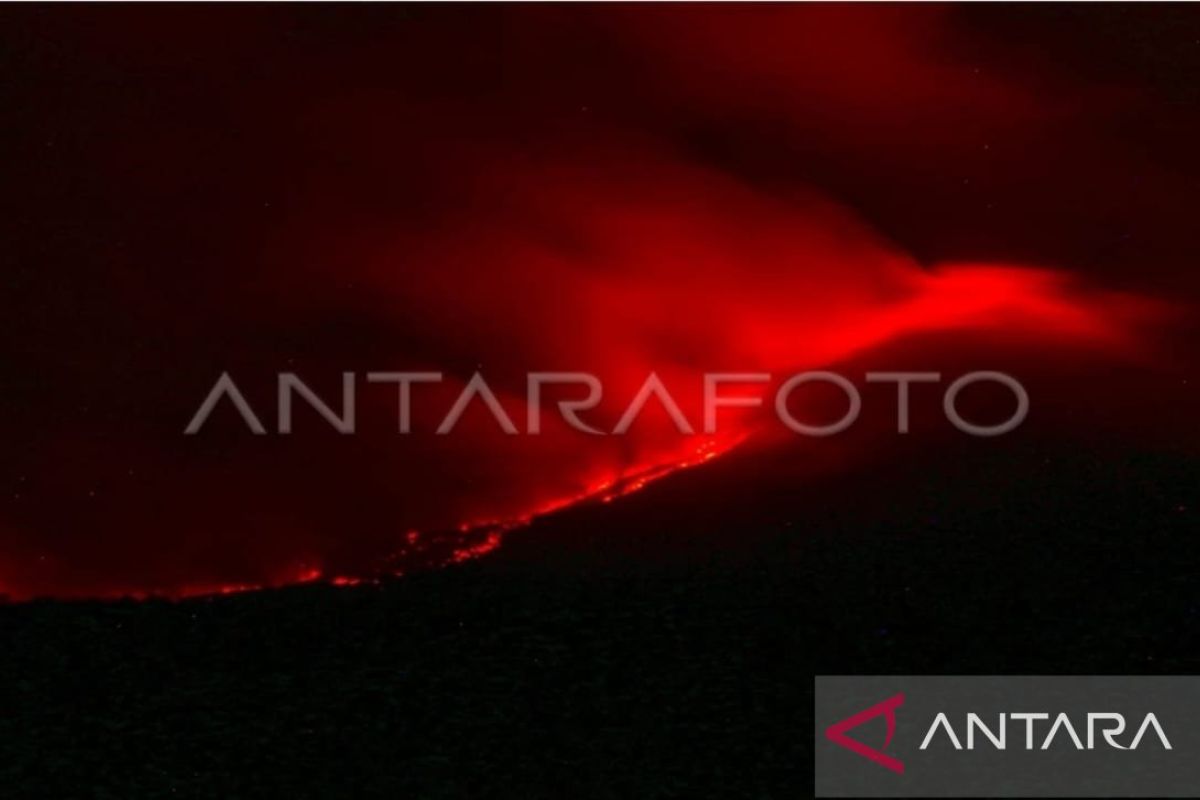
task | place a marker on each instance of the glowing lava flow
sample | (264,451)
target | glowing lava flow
(674,194)
(480,537)
(992,298)
(604,492)
(997,300)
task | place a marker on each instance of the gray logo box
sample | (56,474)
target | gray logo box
(852,760)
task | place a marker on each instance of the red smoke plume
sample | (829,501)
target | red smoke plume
(613,191)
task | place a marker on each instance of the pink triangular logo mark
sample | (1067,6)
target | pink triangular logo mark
(836,732)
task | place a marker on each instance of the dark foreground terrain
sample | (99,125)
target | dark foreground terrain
(626,651)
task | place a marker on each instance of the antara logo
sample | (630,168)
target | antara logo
(1109,725)
(836,732)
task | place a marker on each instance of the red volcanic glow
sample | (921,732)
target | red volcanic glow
(610,192)
(693,274)
(947,299)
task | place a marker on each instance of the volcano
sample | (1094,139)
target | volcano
(448,401)
(583,195)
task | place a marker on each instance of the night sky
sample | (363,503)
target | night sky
(191,190)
